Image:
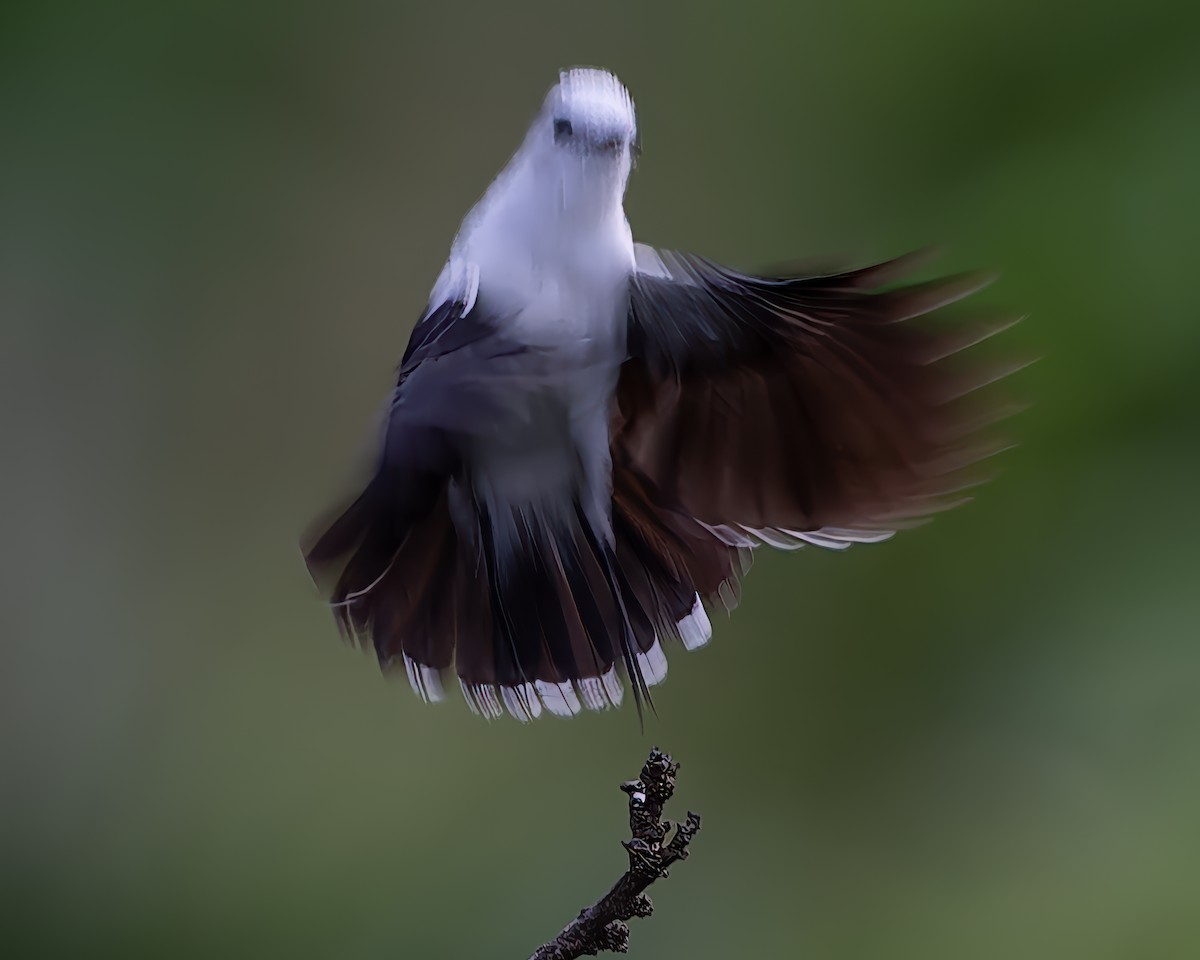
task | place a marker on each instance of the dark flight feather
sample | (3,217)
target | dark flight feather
(796,404)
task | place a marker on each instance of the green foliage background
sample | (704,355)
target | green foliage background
(218,222)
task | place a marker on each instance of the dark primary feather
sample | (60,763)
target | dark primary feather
(796,404)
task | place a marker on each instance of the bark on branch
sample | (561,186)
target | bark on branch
(602,926)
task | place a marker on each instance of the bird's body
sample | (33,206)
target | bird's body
(586,436)
(552,252)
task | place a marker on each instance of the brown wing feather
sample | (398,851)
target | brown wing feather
(798,404)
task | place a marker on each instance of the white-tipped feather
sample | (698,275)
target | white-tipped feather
(491,702)
(780,540)
(730,536)
(558,698)
(849,536)
(522,702)
(425,681)
(592,694)
(728,595)
(600,693)
(829,538)
(613,687)
(653,664)
(482,699)
(525,701)
(694,629)
(468,696)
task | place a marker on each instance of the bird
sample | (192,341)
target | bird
(589,437)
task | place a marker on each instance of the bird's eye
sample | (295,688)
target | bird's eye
(562,129)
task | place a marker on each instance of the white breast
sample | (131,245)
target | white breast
(558,288)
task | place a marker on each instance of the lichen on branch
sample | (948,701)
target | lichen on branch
(602,927)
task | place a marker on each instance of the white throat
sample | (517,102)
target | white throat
(551,231)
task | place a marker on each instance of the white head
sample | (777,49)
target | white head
(589,112)
(583,140)
(562,190)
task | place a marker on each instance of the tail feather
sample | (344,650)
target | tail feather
(353,550)
(555,615)
(670,556)
(546,619)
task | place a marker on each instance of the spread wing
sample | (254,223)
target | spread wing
(800,409)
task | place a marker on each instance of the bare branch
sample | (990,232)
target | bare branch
(602,926)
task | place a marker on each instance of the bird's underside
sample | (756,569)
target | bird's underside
(749,411)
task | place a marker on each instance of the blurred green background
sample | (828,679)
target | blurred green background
(218,222)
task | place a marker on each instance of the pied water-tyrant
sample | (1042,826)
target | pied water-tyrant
(588,436)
